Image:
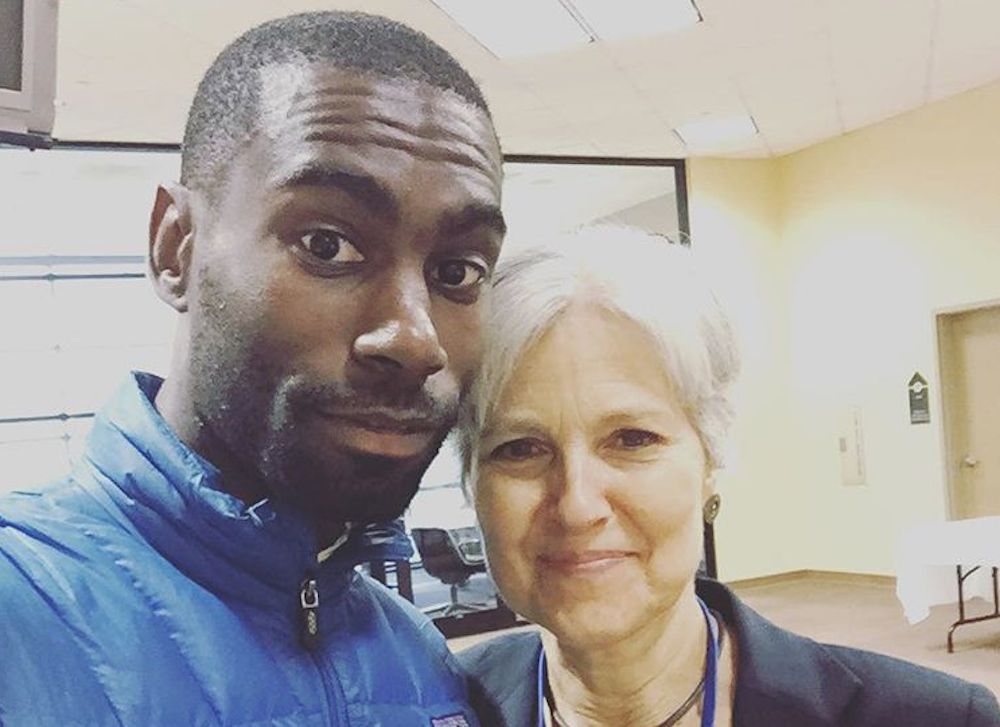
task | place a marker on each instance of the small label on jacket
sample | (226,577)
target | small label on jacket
(450,720)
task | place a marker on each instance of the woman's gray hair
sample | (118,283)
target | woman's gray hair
(642,277)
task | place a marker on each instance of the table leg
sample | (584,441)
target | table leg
(962,620)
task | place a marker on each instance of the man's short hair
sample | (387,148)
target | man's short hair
(226,108)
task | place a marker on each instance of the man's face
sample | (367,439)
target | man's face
(337,287)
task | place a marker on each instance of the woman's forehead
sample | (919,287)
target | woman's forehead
(593,356)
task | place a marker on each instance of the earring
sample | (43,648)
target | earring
(711,509)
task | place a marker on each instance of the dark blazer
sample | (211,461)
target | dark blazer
(782,680)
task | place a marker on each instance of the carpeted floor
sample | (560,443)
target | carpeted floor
(865,614)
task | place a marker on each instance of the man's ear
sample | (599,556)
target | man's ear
(171,238)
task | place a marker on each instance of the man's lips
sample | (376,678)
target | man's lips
(383,433)
(401,424)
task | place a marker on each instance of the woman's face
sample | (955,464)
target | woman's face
(591,483)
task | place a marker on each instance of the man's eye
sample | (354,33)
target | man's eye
(635,438)
(330,246)
(459,275)
(517,450)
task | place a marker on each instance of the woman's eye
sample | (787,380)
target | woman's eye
(517,450)
(330,246)
(635,438)
(459,275)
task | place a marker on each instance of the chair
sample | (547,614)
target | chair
(452,556)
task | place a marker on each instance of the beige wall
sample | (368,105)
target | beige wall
(869,235)
(735,213)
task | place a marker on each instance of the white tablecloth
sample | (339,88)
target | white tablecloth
(928,554)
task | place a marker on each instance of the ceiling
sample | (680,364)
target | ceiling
(806,70)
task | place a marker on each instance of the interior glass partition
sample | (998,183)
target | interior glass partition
(78,313)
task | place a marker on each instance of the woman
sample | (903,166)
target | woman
(589,444)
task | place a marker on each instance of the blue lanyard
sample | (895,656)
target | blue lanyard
(711,674)
(711,668)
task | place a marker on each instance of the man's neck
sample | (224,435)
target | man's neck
(177,409)
(639,679)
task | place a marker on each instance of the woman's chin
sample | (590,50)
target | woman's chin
(589,624)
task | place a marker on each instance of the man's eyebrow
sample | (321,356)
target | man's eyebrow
(366,190)
(473,215)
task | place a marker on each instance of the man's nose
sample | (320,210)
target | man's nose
(579,497)
(400,340)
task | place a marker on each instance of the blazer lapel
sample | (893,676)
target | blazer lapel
(781,678)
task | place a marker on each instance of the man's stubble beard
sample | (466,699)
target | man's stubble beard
(259,416)
(337,486)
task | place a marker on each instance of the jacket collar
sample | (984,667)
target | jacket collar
(782,678)
(156,486)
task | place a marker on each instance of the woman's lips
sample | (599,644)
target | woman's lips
(584,562)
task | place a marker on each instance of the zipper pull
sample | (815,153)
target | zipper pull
(309,601)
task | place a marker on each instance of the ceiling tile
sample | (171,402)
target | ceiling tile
(127,68)
(805,84)
(743,24)
(210,21)
(539,121)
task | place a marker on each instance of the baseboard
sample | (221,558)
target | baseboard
(868,579)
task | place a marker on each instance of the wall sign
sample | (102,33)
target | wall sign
(920,411)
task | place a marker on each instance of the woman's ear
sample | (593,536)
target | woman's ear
(171,238)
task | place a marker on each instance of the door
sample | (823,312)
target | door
(970,368)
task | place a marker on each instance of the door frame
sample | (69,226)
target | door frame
(944,397)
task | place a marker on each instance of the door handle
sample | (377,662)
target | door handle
(969,461)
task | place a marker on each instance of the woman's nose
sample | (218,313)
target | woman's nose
(579,499)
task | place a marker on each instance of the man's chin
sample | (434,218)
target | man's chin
(377,505)
(363,489)
(341,484)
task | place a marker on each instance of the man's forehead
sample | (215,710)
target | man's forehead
(296,90)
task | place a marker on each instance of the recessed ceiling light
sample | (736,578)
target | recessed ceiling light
(707,132)
(629,18)
(517,27)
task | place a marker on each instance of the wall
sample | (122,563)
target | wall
(882,228)
(734,209)
(864,237)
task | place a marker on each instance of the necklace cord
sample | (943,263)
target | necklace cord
(716,639)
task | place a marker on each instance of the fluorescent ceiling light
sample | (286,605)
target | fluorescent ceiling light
(714,131)
(616,19)
(512,28)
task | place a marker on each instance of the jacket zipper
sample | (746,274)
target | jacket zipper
(309,601)
(310,637)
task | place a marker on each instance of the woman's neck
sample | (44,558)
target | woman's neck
(638,680)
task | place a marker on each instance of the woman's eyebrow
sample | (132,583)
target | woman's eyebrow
(521,423)
(632,414)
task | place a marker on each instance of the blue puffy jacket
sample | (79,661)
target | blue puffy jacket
(135,592)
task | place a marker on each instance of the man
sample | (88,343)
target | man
(327,250)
